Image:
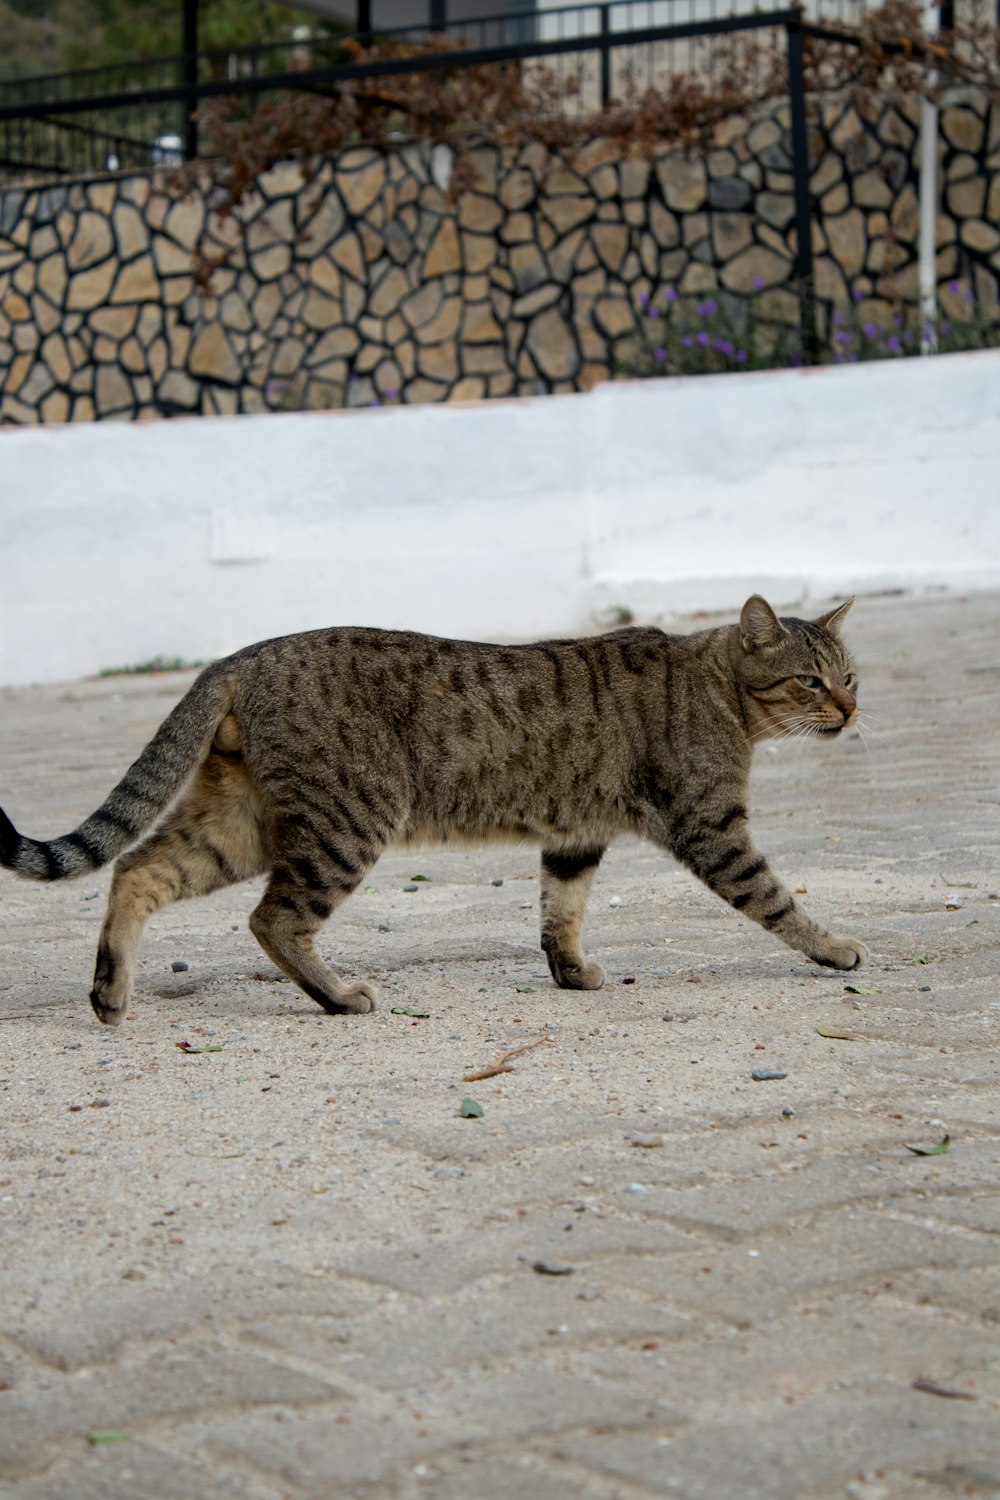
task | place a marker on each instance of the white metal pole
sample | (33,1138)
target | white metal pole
(927,247)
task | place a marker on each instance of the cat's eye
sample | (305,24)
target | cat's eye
(850,681)
(810,682)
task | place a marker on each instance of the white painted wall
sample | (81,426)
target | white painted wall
(502,519)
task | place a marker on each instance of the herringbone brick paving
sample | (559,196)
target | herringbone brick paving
(288,1270)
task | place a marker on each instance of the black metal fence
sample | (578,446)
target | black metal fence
(146,115)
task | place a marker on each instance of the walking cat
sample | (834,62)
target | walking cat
(306,756)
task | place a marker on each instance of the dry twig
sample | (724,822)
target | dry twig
(502,1063)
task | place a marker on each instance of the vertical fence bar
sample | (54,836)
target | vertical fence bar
(800,170)
(605,55)
(189,77)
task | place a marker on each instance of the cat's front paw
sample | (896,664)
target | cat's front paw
(841,953)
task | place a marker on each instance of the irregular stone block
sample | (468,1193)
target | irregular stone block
(683,181)
(611,243)
(389,292)
(729,193)
(480,214)
(962,128)
(137,282)
(360,178)
(91,243)
(528,267)
(564,214)
(754,270)
(444,252)
(112,391)
(89,289)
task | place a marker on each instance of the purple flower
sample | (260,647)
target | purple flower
(954,286)
(671,294)
(839,317)
(687,341)
(893,345)
(707,308)
(945,329)
(841,337)
(652,312)
(353,376)
(702,338)
(872,330)
(758,283)
(723,346)
(857,295)
(970,295)
(642,299)
(390,395)
(740,356)
(660,354)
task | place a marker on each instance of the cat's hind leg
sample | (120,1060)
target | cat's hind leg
(565,884)
(211,839)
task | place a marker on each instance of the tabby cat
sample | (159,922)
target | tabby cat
(305,756)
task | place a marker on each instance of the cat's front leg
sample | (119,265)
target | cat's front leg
(566,881)
(722,854)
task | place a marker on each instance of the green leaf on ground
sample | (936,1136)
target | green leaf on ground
(469,1109)
(406,1010)
(937,1150)
(961,885)
(923,959)
(841,1034)
(106,1437)
(525,989)
(420,877)
(187,1047)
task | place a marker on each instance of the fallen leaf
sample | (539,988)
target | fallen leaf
(859,989)
(105,1437)
(524,989)
(405,1010)
(469,1109)
(937,1150)
(187,1047)
(923,959)
(547,1268)
(420,877)
(961,885)
(841,1034)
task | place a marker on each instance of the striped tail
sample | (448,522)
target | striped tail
(146,789)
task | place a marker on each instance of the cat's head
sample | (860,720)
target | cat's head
(796,675)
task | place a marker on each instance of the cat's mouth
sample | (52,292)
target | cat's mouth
(829,729)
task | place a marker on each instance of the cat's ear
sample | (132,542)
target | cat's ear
(759,625)
(834,618)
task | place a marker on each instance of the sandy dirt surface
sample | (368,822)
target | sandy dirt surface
(287,1269)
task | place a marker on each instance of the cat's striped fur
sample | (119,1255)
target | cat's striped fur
(306,756)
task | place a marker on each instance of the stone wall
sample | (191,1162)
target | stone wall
(373,282)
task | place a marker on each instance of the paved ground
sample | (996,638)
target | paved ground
(288,1270)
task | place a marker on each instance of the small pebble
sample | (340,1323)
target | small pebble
(384,927)
(447,1172)
(765,1075)
(90,896)
(646,1142)
(496,882)
(615,901)
(179,965)
(788,1111)
(409,887)
(925,988)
